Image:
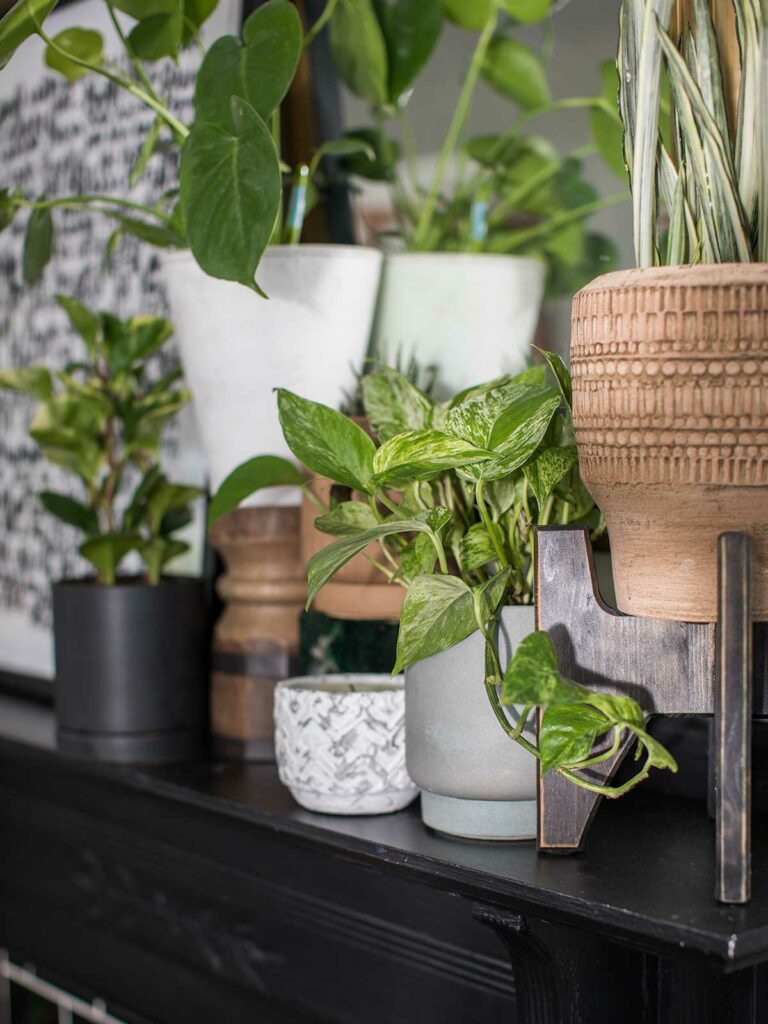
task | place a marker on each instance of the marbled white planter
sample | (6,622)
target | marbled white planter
(340,743)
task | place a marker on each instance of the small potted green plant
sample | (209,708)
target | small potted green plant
(451,492)
(499,219)
(235,218)
(131,651)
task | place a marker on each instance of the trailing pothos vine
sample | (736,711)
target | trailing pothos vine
(450,493)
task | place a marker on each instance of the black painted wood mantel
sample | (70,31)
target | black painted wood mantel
(202,894)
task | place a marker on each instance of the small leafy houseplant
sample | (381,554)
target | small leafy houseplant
(692,104)
(229,202)
(101,419)
(452,492)
(511,192)
(131,652)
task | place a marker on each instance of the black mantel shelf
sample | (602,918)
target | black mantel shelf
(214,870)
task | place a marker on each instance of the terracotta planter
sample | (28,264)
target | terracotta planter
(670,404)
(256,639)
(359,590)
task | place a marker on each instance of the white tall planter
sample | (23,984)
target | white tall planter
(472,314)
(309,336)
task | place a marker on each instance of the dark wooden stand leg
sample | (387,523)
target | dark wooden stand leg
(733,718)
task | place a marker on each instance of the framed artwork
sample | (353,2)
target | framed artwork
(56,139)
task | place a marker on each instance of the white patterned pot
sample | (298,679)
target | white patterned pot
(340,743)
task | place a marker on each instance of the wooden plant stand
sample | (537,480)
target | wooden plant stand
(670,668)
(256,639)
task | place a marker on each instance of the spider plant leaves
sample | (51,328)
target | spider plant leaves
(422,455)
(259,68)
(250,477)
(710,157)
(230,188)
(514,70)
(360,50)
(394,405)
(326,441)
(324,565)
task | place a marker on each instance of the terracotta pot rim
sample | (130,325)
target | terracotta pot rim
(694,275)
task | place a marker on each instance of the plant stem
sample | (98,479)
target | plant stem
(460,114)
(135,62)
(180,130)
(561,220)
(489,525)
(72,202)
(320,24)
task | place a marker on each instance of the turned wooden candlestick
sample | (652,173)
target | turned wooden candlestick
(256,639)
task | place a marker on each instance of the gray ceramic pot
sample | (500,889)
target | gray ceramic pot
(475,781)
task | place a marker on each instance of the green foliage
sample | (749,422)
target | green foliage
(102,419)
(514,70)
(451,493)
(250,477)
(79,43)
(708,181)
(19,23)
(38,243)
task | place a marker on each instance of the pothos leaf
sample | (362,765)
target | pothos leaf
(568,733)
(532,676)
(347,519)
(437,613)
(393,405)
(548,469)
(476,548)
(421,455)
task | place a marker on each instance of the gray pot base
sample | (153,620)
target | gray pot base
(501,820)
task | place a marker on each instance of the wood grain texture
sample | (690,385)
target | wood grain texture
(670,404)
(667,667)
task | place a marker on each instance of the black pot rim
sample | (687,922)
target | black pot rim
(128,583)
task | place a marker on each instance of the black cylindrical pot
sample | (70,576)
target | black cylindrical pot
(131,669)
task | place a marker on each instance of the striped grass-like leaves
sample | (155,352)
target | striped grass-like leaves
(701,197)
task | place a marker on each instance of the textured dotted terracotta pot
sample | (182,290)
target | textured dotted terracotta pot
(670,404)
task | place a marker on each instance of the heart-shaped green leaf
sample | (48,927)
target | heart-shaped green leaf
(81,43)
(514,70)
(568,733)
(532,676)
(437,613)
(38,245)
(159,35)
(359,50)
(106,552)
(250,477)
(411,29)
(230,186)
(326,441)
(548,469)
(347,519)
(259,69)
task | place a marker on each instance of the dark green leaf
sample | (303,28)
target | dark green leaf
(250,477)
(161,235)
(514,70)
(106,552)
(157,552)
(34,381)
(411,29)
(359,50)
(472,14)
(86,323)
(70,511)
(393,405)
(80,43)
(158,36)
(230,194)
(165,497)
(386,154)
(175,520)
(532,676)
(348,146)
(38,245)
(548,469)
(568,733)
(137,508)
(618,710)
(258,70)
(19,23)
(347,519)
(326,441)
(327,562)
(421,455)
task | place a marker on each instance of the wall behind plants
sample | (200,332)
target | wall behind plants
(57,138)
(585,33)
